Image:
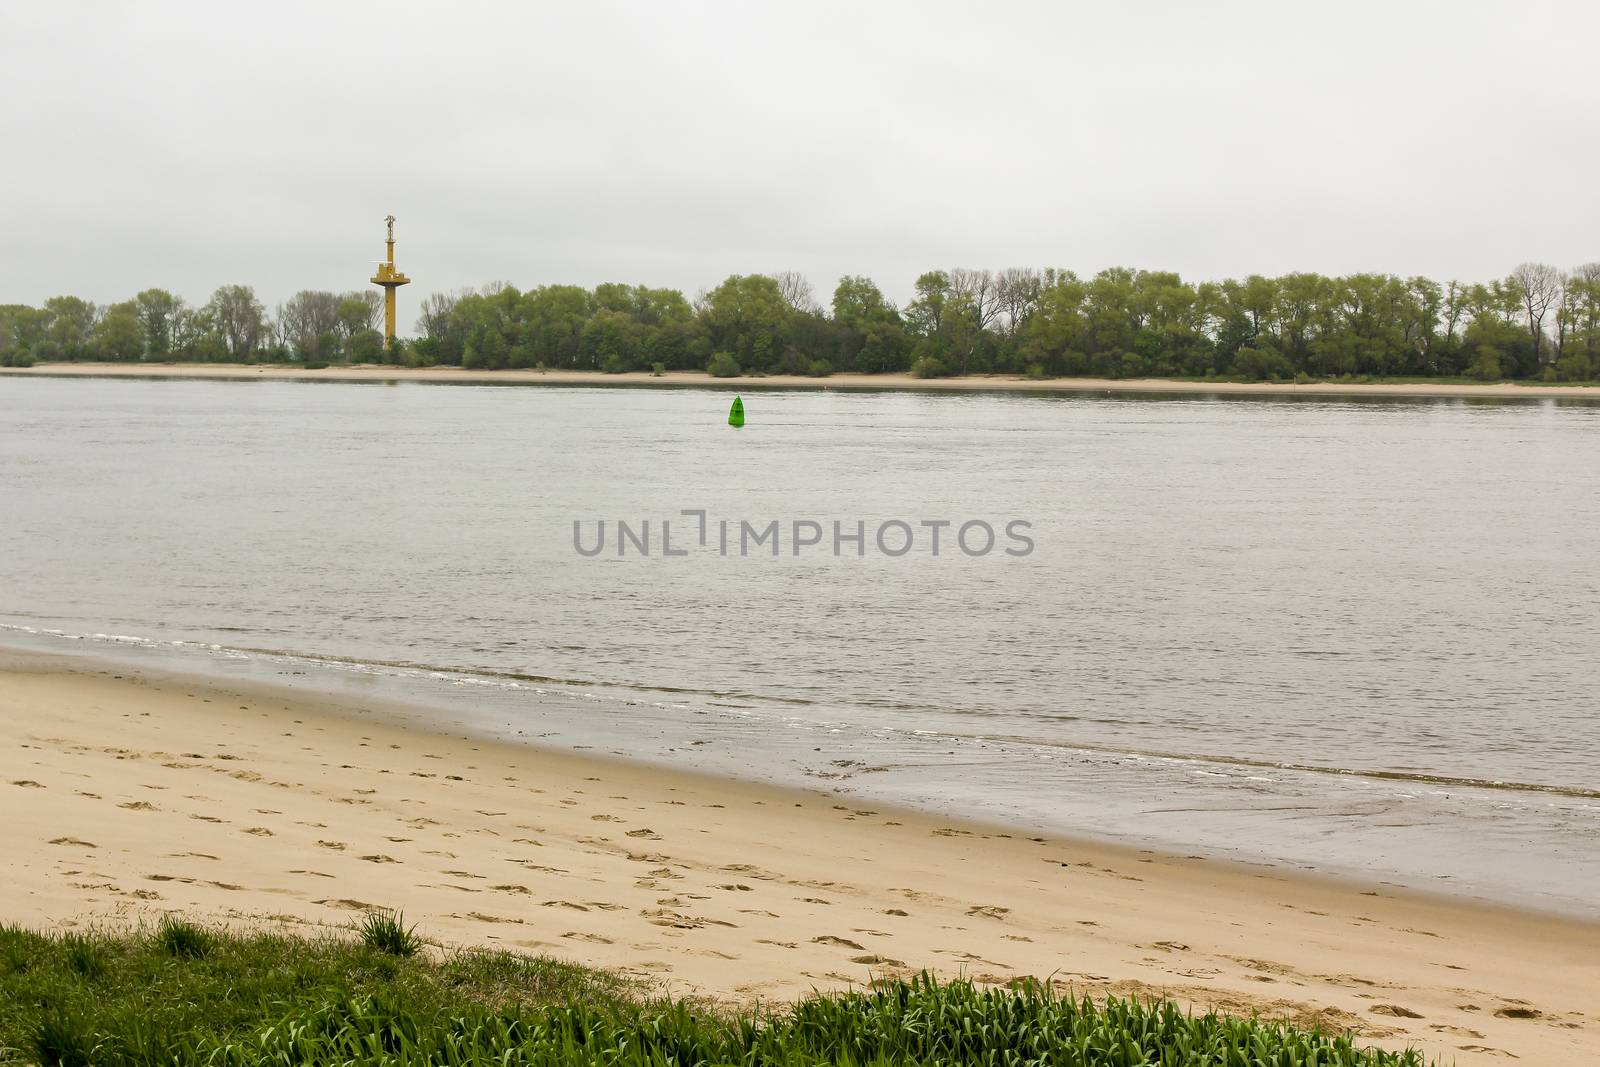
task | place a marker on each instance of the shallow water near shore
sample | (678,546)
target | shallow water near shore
(1357,637)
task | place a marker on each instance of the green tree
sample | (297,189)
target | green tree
(358,313)
(118,335)
(158,319)
(1054,337)
(871,337)
(70,329)
(611,341)
(239,321)
(747,317)
(553,319)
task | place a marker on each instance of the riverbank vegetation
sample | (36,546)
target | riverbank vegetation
(1537,323)
(184,994)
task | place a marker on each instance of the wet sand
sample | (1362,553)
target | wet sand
(888,382)
(127,795)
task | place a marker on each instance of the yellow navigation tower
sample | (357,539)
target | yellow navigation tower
(390,279)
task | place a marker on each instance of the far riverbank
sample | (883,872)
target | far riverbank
(870,382)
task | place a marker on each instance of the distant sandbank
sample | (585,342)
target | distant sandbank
(886,382)
(128,794)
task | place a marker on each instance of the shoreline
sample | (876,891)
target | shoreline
(1081,797)
(138,792)
(897,382)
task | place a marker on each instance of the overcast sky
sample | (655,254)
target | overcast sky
(187,146)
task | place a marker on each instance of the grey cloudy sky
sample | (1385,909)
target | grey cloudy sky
(189,145)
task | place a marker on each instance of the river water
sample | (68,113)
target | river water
(1352,636)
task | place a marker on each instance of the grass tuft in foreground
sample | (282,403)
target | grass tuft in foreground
(183,940)
(386,931)
(250,1000)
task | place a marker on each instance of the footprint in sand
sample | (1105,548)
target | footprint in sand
(28,783)
(971,957)
(73,841)
(873,960)
(895,911)
(842,942)
(259,831)
(483,918)
(1394,1010)
(139,805)
(378,857)
(352,905)
(1511,1011)
(751,871)
(645,834)
(679,921)
(578,935)
(337,846)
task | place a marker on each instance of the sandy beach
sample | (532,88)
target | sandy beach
(886,382)
(129,795)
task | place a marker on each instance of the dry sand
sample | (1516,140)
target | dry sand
(126,795)
(975,383)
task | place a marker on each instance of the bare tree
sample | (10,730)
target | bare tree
(434,320)
(306,317)
(1538,287)
(796,290)
(1454,307)
(1017,290)
(978,287)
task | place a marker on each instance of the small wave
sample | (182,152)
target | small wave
(730,703)
(1381,774)
(468,675)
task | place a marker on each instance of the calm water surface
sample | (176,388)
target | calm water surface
(1354,636)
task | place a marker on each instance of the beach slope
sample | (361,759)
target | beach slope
(127,795)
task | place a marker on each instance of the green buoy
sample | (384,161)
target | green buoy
(736,413)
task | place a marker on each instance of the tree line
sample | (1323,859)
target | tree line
(1537,322)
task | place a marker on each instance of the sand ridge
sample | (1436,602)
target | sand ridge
(129,794)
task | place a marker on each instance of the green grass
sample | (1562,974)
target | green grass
(387,932)
(183,940)
(248,1000)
